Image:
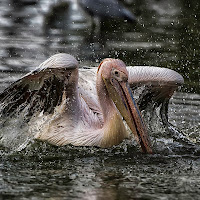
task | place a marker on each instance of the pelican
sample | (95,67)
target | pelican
(61,105)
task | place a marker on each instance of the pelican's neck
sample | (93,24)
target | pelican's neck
(107,105)
(114,130)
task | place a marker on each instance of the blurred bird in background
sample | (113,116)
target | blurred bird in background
(104,10)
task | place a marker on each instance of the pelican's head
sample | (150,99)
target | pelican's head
(115,77)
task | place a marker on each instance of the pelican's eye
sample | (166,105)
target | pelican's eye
(115,73)
(119,75)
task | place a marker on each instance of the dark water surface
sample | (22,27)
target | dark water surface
(167,34)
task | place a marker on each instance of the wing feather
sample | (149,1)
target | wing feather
(155,83)
(24,101)
(28,105)
(153,87)
(36,92)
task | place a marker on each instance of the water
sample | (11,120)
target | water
(167,34)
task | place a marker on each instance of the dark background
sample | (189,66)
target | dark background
(166,34)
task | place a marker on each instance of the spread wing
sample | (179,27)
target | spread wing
(40,90)
(31,99)
(36,92)
(28,105)
(153,87)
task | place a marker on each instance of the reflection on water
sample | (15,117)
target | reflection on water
(167,34)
